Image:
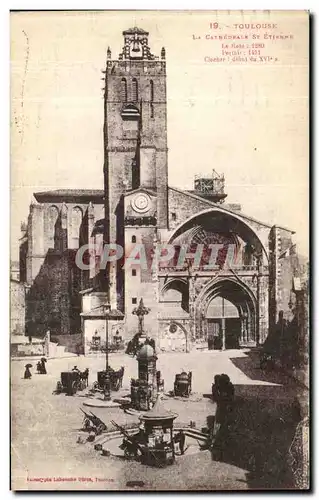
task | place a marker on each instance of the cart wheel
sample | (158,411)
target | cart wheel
(87,424)
(100,428)
(59,387)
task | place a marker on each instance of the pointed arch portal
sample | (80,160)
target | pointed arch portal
(219,225)
(226,313)
(227,303)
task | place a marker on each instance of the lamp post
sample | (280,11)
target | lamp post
(107,389)
(115,315)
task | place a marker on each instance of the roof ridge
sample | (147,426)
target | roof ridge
(240,214)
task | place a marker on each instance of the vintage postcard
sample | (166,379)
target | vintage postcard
(159,250)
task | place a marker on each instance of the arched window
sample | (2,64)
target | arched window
(133,239)
(53,214)
(134,90)
(123,90)
(76,221)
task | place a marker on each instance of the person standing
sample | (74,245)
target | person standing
(43,367)
(27,372)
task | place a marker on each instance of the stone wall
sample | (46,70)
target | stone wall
(55,231)
(174,336)
(24,348)
(52,301)
(17,309)
(182,206)
(280,273)
(72,343)
(284,271)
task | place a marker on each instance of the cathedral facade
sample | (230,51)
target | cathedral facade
(229,304)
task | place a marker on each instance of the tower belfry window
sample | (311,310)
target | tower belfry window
(134,90)
(123,90)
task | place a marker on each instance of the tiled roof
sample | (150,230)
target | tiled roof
(70,195)
(158,412)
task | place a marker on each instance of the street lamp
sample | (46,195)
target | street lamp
(115,315)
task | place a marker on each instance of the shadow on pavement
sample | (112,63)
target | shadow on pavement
(250,366)
(260,430)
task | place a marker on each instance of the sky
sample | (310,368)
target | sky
(245,119)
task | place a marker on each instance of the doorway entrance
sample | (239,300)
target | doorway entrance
(226,315)
(215,333)
(223,324)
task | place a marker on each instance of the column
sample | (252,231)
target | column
(249,337)
(192,315)
(223,334)
(259,299)
(242,330)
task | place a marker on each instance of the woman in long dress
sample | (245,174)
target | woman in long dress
(27,372)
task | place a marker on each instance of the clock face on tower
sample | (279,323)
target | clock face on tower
(141,203)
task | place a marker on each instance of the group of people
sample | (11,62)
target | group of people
(84,376)
(134,345)
(41,368)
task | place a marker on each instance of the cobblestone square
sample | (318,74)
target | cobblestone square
(45,426)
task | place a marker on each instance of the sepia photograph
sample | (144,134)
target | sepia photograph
(159,266)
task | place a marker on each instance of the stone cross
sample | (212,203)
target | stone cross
(140,312)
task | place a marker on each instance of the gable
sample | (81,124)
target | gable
(140,203)
(182,205)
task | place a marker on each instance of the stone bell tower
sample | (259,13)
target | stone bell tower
(135,136)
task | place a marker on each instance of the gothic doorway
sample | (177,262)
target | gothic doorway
(226,315)
(223,320)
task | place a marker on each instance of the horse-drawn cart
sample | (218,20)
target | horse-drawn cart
(116,379)
(183,384)
(70,383)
